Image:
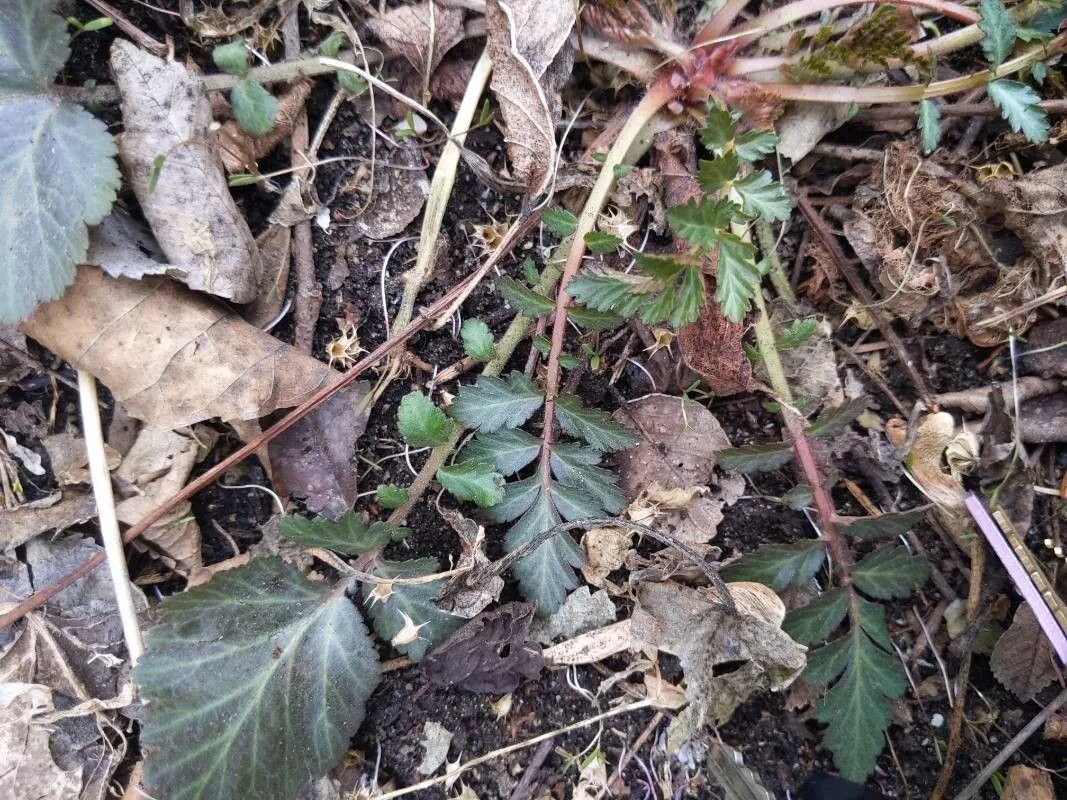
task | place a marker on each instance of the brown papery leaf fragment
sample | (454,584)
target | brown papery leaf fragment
(171,356)
(1027,783)
(1022,659)
(528,42)
(240,151)
(421,33)
(167,118)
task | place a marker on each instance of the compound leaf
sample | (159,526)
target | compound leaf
(812,623)
(929,125)
(509,450)
(780,565)
(716,173)
(491,403)
(387,604)
(827,662)
(349,535)
(529,302)
(255,683)
(574,465)
(254,108)
(754,144)
(737,278)
(599,430)
(719,129)
(889,573)
(560,221)
(600,242)
(1019,105)
(756,457)
(884,525)
(999,30)
(658,266)
(547,574)
(421,423)
(473,481)
(702,222)
(762,196)
(477,340)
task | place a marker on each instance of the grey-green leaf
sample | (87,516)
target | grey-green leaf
(510,449)
(491,403)
(547,574)
(779,565)
(474,482)
(349,535)
(889,573)
(421,423)
(254,684)
(929,125)
(812,623)
(560,221)
(599,430)
(999,30)
(835,421)
(390,495)
(34,44)
(884,525)
(59,176)
(231,58)
(477,340)
(1019,105)
(756,457)
(254,108)
(414,599)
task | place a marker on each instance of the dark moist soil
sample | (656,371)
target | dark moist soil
(777,735)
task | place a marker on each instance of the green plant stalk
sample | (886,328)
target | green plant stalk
(777,275)
(444,178)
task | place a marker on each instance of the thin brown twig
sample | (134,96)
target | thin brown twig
(123,24)
(524,788)
(910,111)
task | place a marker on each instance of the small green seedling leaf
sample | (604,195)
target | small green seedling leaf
(1020,106)
(999,30)
(702,222)
(560,221)
(713,175)
(421,423)
(883,526)
(491,403)
(756,457)
(720,127)
(599,430)
(753,145)
(889,573)
(157,167)
(98,24)
(390,496)
(737,278)
(254,685)
(332,44)
(477,340)
(474,482)
(350,535)
(254,108)
(811,624)
(779,565)
(485,115)
(351,82)
(796,334)
(231,58)
(762,196)
(929,125)
(600,242)
(527,301)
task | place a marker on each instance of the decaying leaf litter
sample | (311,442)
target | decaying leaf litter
(952,300)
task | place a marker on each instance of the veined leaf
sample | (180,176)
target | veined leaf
(753,145)
(529,302)
(350,535)
(574,465)
(737,278)
(929,125)
(599,430)
(884,525)
(491,403)
(421,423)
(608,290)
(835,421)
(779,565)
(659,266)
(814,622)
(827,662)
(600,242)
(857,706)
(762,196)
(572,502)
(34,45)
(474,482)
(593,320)
(756,457)
(387,604)
(999,30)
(390,495)
(690,298)
(798,332)
(560,221)
(872,621)
(547,574)
(1019,105)
(889,573)
(255,683)
(518,497)
(254,108)
(509,450)
(716,173)
(702,222)
(719,128)
(477,340)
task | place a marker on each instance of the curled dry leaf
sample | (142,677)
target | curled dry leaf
(170,356)
(19,525)
(605,552)
(392,201)
(1035,210)
(70,459)
(173,167)
(467,594)
(581,611)
(528,42)
(123,248)
(421,33)
(1022,658)
(27,768)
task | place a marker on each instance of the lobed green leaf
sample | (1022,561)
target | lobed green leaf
(753,145)
(560,221)
(1020,106)
(574,465)
(999,30)
(598,430)
(762,196)
(477,340)
(601,242)
(474,482)
(492,403)
(702,222)
(350,535)
(713,175)
(547,574)
(34,45)
(421,423)
(593,320)
(814,622)
(509,450)
(390,495)
(779,565)
(737,277)
(529,302)
(835,421)
(891,572)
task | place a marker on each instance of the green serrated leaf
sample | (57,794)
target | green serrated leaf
(872,621)
(814,622)
(254,108)
(702,222)
(332,44)
(737,278)
(477,340)
(607,290)
(713,175)
(929,125)
(756,457)
(779,565)
(598,430)
(835,421)
(600,242)
(799,497)
(492,404)
(254,684)
(518,497)
(473,481)
(231,58)
(415,600)
(509,450)
(527,301)
(351,82)
(59,176)
(572,502)
(753,145)
(421,423)
(350,535)
(884,525)
(574,465)
(690,298)
(999,30)
(547,574)
(560,221)
(390,495)
(762,196)
(34,45)
(827,662)
(719,129)
(593,320)
(889,573)
(1019,105)
(662,267)
(799,331)
(857,707)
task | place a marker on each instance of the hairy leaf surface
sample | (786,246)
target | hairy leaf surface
(737,278)
(349,535)
(421,423)
(929,125)
(884,525)
(889,573)
(255,682)
(779,565)
(560,221)
(1019,105)
(599,430)
(477,340)
(762,196)
(814,622)
(999,30)
(474,482)
(492,404)
(509,449)
(527,301)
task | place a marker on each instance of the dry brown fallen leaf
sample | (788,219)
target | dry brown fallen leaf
(528,42)
(19,525)
(170,356)
(400,189)
(174,169)
(421,33)
(1027,783)
(70,459)
(1022,659)
(240,151)
(27,768)
(1035,210)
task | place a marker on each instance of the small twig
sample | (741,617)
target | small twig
(616,784)
(872,375)
(123,24)
(909,111)
(524,788)
(29,360)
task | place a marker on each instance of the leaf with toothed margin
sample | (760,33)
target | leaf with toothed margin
(492,404)
(929,125)
(1018,104)
(812,623)
(349,535)
(254,684)
(756,457)
(547,574)
(598,430)
(889,573)
(999,30)
(473,482)
(518,497)
(577,466)
(779,565)
(884,525)
(510,449)
(421,423)
(527,301)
